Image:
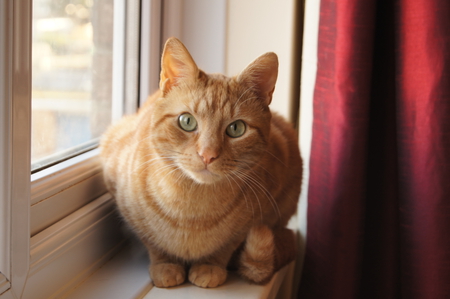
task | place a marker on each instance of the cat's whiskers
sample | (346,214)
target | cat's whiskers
(251,183)
(242,191)
(260,165)
(229,182)
(240,176)
(258,184)
(270,176)
(269,195)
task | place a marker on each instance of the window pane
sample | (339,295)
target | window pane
(72,76)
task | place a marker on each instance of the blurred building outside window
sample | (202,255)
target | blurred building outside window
(72,63)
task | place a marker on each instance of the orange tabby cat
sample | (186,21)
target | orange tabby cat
(206,175)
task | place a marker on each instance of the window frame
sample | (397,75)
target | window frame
(28,252)
(16,144)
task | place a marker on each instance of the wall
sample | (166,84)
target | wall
(258,26)
(225,36)
(201,26)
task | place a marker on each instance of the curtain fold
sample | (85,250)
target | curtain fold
(379,187)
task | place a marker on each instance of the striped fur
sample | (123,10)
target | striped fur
(194,215)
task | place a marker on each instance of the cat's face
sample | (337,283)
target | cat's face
(212,129)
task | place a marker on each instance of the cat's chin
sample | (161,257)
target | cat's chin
(205,177)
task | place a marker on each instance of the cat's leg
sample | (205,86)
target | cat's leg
(165,270)
(212,271)
(265,252)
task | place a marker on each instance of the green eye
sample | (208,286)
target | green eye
(236,129)
(187,122)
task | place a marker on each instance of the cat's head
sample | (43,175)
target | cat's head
(212,127)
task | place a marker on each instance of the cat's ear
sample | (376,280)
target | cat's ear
(176,65)
(262,73)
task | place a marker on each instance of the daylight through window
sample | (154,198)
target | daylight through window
(72,54)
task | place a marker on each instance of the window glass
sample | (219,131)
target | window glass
(72,54)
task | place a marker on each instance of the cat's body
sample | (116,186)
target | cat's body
(205,174)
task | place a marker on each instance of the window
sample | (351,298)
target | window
(66,69)
(76,46)
(72,49)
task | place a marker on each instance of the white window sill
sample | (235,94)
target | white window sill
(126,277)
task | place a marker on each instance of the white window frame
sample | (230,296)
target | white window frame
(15,42)
(37,244)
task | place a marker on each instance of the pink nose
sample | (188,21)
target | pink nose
(208,155)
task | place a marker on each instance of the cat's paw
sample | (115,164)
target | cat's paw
(167,275)
(207,276)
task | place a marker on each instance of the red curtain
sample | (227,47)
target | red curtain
(379,187)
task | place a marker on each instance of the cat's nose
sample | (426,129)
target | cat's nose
(208,155)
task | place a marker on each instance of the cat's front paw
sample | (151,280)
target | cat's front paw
(207,276)
(167,275)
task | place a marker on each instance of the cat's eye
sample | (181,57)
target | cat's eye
(236,129)
(187,122)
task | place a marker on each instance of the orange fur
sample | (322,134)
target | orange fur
(194,198)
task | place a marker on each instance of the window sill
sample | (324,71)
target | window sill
(126,277)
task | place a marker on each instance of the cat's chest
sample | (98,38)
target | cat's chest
(188,237)
(193,202)
(194,239)
(192,227)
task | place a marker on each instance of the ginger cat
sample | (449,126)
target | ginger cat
(205,175)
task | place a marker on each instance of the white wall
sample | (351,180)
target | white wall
(201,26)
(225,36)
(258,26)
